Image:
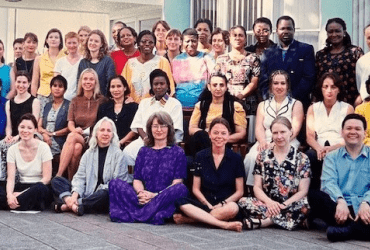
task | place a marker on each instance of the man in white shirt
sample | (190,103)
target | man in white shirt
(363,68)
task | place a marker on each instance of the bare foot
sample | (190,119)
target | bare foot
(182,219)
(234,226)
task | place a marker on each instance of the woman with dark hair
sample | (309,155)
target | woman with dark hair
(100,164)
(127,39)
(173,44)
(26,61)
(43,67)
(52,124)
(281,182)
(160,169)
(242,70)
(118,110)
(280,103)
(96,57)
(138,69)
(204,29)
(324,119)
(364,110)
(262,30)
(218,183)
(4,72)
(31,159)
(219,39)
(340,56)
(15,108)
(191,70)
(160,28)
(216,102)
(161,101)
(82,114)
(68,66)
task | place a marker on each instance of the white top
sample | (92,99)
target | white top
(362,74)
(69,72)
(328,127)
(30,172)
(147,107)
(286,109)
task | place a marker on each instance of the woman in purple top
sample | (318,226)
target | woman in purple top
(159,171)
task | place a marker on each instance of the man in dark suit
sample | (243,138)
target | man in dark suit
(296,58)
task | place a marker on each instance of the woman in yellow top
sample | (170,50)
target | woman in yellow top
(216,101)
(43,69)
(138,69)
(364,110)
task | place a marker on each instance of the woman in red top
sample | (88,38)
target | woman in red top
(127,40)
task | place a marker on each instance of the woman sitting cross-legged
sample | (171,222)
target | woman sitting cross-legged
(102,162)
(159,171)
(217,185)
(281,182)
(31,158)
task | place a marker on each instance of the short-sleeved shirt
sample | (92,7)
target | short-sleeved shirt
(281,181)
(47,72)
(120,59)
(69,72)
(157,168)
(30,172)
(215,111)
(83,111)
(217,184)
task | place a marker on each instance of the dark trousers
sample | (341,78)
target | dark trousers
(3,199)
(199,141)
(323,207)
(316,168)
(36,197)
(98,201)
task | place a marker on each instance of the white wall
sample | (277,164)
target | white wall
(40,22)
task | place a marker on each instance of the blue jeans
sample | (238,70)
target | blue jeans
(98,201)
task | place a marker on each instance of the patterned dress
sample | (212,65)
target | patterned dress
(280,182)
(156,169)
(239,75)
(344,64)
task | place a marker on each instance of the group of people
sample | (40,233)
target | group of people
(92,128)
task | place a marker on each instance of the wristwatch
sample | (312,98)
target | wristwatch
(54,134)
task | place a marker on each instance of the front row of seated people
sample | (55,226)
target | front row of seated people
(278,198)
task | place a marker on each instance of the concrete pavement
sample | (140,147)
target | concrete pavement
(48,230)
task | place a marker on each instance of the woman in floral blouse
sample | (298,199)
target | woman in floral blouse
(340,56)
(281,182)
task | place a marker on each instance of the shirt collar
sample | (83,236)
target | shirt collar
(227,154)
(290,157)
(364,152)
(162,101)
(279,45)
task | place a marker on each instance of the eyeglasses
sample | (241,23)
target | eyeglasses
(157,126)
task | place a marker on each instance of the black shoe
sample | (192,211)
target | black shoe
(335,234)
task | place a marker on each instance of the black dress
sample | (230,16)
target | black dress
(122,120)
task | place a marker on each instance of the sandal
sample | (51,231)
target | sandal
(251,224)
(80,210)
(57,207)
